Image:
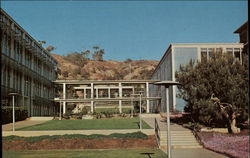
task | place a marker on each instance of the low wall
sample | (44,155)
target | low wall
(221,130)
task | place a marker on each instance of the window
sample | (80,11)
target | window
(229,51)
(203,54)
(237,53)
(207,53)
(9,46)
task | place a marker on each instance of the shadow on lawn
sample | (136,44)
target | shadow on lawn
(138,124)
(148,154)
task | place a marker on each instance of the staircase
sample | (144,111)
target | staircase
(180,136)
(179,139)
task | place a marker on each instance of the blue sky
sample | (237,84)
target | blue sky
(127,29)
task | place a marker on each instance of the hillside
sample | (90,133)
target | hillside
(104,70)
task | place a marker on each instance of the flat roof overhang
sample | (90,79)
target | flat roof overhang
(106,99)
(102,81)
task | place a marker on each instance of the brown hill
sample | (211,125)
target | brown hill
(104,70)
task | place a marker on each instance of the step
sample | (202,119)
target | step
(180,147)
(178,135)
(174,140)
(188,144)
(182,132)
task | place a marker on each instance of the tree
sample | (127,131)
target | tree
(50,48)
(85,54)
(98,54)
(76,58)
(226,78)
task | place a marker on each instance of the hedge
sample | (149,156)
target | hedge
(20,114)
(138,135)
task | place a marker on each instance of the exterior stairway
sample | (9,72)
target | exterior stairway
(179,139)
(180,136)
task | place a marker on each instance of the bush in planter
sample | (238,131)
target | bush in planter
(66,115)
(84,111)
(97,115)
(107,114)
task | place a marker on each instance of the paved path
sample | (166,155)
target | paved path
(181,152)
(20,124)
(195,153)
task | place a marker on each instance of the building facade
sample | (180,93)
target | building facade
(26,69)
(181,54)
(243,34)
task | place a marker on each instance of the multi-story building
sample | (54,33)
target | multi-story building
(26,69)
(181,54)
(243,33)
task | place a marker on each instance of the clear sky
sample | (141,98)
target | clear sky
(127,29)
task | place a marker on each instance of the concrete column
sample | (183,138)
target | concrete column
(120,96)
(64,97)
(147,95)
(12,48)
(92,97)
(96,92)
(84,93)
(109,93)
(31,95)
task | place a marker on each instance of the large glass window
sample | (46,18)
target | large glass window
(207,53)
(184,55)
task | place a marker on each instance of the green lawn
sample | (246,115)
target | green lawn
(110,123)
(118,153)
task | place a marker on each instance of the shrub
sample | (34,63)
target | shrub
(20,114)
(107,114)
(66,115)
(138,135)
(223,76)
(84,111)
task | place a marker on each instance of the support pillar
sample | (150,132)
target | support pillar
(84,93)
(92,97)
(147,95)
(120,96)
(96,92)
(64,97)
(109,93)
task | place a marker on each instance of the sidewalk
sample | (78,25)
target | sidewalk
(195,153)
(20,124)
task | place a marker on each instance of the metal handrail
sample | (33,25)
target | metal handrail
(157,132)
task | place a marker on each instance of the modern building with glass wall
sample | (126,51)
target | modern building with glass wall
(26,69)
(181,54)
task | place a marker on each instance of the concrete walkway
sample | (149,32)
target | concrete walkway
(180,152)
(195,153)
(20,124)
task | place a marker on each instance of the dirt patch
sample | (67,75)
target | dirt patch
(80,143)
